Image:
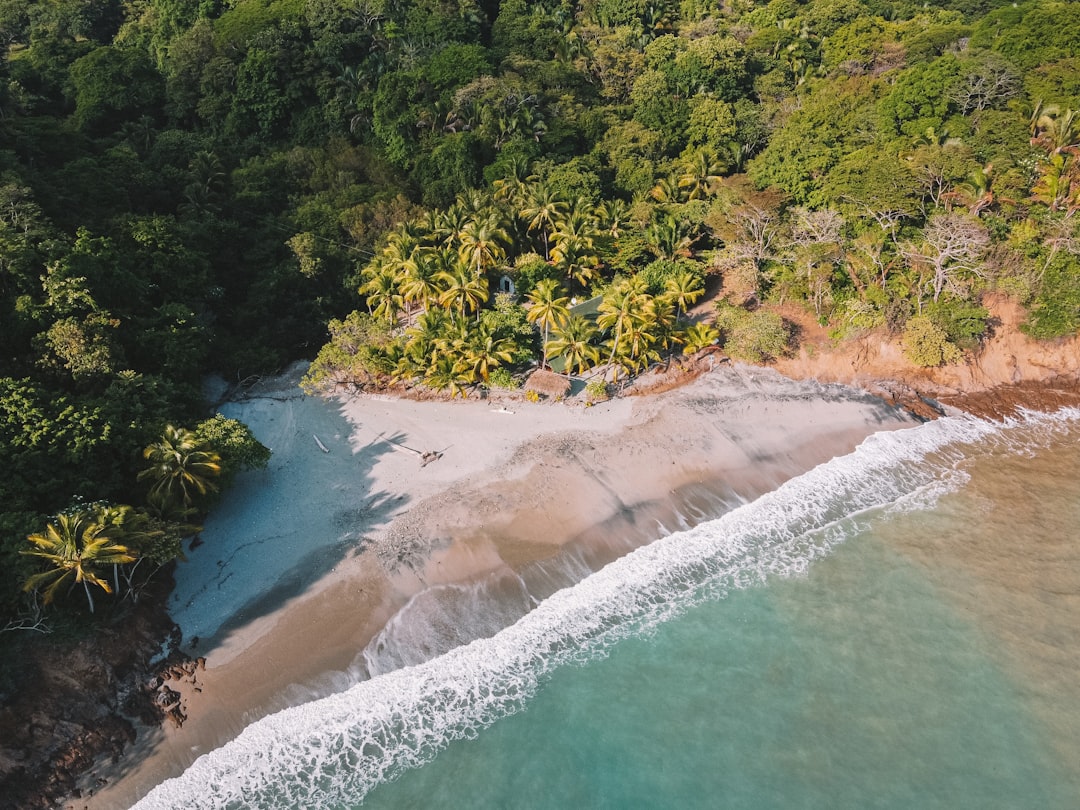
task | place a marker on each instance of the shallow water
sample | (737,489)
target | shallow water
(896,628)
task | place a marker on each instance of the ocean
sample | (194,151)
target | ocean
(896,628)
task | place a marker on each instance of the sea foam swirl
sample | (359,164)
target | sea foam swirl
(334,750)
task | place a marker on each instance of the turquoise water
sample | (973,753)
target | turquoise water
(895,629)
(784,696)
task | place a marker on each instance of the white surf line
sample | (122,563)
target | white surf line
(334,750)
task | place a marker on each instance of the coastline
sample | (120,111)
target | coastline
(519,505)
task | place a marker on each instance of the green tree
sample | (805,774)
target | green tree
(926,344)
(541,210)
(114,84)
(380,288)
(699,336)
(234,443)
(75,545)
(684,288)
(462,289)
(625,306)
(485,351)
(751,336)
(548,309)
(574,342)
(180,466)
(483,242)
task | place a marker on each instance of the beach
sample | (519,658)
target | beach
(387,531)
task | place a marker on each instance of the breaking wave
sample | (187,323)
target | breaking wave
(333,751)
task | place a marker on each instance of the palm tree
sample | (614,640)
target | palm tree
(625,304)
(381,289)
(666,191)
(462,289)
(611,216)
(482,243)
(699,336)
(547,308)
(573,342)
(702,175)
(511,188)
(444,373)
(483,352)
(420,284)
(667,237)
(541,211)
(684,288)
(75,545)
(178,466)
(575,239)
(638,347)
(451,224)
(421,345)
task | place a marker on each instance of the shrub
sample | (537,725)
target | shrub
(597,390)
(502,378)
(751,336)
(1055,311)
(926,344)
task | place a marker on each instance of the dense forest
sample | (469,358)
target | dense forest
(195,186)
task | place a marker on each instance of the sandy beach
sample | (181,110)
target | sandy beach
(353,553)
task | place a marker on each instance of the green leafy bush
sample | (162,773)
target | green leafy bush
(234,442)
(926,344)
(502,378)
(1055,312)
(751,336)
(596,390)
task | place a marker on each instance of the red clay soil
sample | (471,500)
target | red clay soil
(1008,373)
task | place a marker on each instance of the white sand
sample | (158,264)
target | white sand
(305,562)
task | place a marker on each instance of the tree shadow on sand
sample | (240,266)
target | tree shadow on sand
(272,538)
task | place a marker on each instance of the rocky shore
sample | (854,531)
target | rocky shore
(77,700)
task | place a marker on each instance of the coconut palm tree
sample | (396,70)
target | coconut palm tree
(381,289)
(483,242)
(75,545)
(462,290)
(666,191)
(483,351)
(669,238)
(612,216)
(625,305)
(683,288)
(547,308)
(420,284)
(699,336)
(446,373)
(639,347)
(701,176)
(575,239)
(179,466)
(513,187)
(451,224)
(573,342)
(541,210)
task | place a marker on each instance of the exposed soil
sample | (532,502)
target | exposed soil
(1009,372)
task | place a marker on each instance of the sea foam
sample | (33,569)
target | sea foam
(332,751)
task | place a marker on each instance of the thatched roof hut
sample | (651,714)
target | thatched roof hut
(547,384)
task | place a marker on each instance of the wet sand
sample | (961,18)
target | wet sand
(308,561)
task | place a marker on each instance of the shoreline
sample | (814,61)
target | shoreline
(425,534)
(538,501)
